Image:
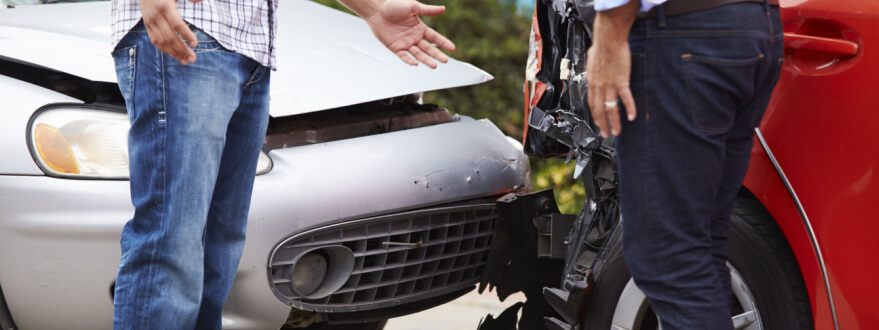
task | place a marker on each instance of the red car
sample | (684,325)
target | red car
(816,166)
(807,215)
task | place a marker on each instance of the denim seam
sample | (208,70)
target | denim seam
(201,51)
(132,74)
(724,61)
(255,76)
(151,277)
(648,171)
(708,34)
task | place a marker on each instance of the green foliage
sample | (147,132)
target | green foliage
(493,36)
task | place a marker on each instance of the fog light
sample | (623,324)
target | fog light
(320,272)
(309,272)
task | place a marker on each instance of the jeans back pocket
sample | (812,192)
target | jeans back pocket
(716,87)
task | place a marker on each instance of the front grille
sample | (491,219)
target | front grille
(453,249)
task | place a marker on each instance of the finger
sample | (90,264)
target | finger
(598,111)
(422,56)
(195,0)
(629,102)
(590,100)
(432,51)
(403,55)
(180,28)
(163,38)
(428,10)
(439,39)
(613,113)
(184,31)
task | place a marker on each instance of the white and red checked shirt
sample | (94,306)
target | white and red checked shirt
(242,26)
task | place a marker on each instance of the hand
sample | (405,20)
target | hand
(607,75)
(397,25)
(608,66)
(165,27)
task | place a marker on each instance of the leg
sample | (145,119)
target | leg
(227,220)
(689,79)
(739,142)
(179,116)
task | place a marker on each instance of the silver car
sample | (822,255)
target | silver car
(368,204)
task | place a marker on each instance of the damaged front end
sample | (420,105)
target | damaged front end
(553,257)
(550,256)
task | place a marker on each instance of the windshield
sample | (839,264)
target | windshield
(38,2)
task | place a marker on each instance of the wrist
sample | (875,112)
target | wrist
(366,9)
(612,26)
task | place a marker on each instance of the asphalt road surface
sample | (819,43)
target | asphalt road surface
(463,313)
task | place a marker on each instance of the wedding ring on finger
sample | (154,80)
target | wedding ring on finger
(610,104)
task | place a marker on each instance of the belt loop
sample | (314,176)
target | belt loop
(660,13)
(766,6)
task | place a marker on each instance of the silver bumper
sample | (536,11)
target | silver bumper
(59,239)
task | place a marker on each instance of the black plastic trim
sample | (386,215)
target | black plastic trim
(6,321)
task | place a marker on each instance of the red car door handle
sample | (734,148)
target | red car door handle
(839,47)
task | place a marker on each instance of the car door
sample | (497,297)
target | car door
(821,126)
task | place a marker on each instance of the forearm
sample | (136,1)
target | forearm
(363,8)
(608,65)
(612,26)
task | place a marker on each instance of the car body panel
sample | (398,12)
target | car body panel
(16,96)
(813,127)
(65,233)
(766,184)
(326,58)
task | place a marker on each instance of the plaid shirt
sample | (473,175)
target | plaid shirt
(238,25)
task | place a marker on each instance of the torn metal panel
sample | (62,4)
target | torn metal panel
(558,117)
(570,130)
(512,264)
(597,225)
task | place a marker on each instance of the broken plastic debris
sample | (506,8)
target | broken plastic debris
(568,129)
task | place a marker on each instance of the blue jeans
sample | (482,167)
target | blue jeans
(196,134)
(701,84)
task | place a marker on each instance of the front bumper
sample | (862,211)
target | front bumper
(59,238)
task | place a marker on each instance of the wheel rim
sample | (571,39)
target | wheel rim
(633,311)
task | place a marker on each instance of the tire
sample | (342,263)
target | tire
(768,287)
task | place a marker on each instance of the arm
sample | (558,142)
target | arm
(608,66)
(396,24)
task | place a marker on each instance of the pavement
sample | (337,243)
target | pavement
(464,313)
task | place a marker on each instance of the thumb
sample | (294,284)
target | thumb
(429,10)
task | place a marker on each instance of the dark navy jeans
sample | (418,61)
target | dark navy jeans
(701,84)
(196,133)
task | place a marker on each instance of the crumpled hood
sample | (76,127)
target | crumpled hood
(326,58)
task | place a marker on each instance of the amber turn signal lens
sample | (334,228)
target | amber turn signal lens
(54,149)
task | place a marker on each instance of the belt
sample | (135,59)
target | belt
(678,7)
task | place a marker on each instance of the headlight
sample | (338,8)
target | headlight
(82,142)
(264,164)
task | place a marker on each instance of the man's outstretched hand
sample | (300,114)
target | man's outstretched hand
(396,24)
(165,28)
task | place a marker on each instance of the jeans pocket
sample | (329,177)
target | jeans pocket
(716,87)
(126,69)
(206,43)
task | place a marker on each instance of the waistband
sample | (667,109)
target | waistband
(678,7)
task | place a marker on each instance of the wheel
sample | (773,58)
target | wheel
(768,290)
